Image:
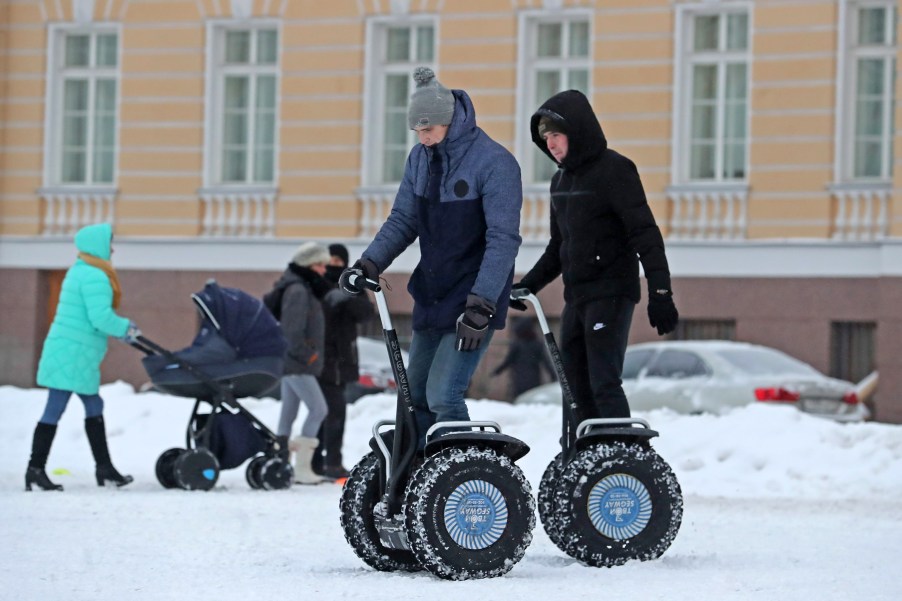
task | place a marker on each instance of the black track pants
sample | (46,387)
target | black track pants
(594,336)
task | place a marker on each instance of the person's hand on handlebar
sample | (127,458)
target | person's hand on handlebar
(362,268)
(519,291)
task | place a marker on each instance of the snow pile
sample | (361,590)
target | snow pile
(751,452)
(777,505)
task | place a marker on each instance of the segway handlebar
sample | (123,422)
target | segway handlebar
(359,281)
(516,294)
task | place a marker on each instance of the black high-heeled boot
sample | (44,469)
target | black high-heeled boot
(107,473)
(96,431)
(40,449)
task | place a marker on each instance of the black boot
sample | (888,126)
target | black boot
(96,431)
(40,449)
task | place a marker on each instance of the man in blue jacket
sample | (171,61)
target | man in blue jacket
(461,195)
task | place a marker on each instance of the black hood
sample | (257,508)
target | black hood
(573,114)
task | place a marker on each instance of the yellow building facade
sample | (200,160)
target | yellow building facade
(795,108)
(764,132)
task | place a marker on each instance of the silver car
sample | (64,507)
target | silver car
(714,376)
(376,374)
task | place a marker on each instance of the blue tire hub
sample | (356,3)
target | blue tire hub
(475,514)
(619,506)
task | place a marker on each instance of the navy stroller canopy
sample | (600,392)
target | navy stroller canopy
(244,321)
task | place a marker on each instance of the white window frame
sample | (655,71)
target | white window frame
(527,104)
(53,116)
(846,92)
(214,98)
(682,99)
(375,70)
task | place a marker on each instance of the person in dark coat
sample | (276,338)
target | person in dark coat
(526,358)
(461,195)
(301,318)
(601,228)
(340,363)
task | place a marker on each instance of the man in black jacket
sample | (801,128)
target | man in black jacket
(340,363)
(601,227)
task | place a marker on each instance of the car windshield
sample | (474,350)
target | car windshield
(764,361)
(634,361)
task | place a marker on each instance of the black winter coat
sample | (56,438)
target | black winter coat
(343,313)
(601,224)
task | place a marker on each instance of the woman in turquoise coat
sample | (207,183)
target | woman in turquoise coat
(74,349)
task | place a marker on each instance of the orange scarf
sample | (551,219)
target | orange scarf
(107,268)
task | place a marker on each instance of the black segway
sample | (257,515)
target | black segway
(460,509)
(607,497)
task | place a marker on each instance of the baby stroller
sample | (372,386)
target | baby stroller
(237,353)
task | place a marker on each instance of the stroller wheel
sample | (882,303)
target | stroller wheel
(358,498)
(196,469)
(252,474)
(546,504)
(276,474)
(165,467)
(616,502)
(470,513)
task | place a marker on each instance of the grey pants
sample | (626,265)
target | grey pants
(297,388)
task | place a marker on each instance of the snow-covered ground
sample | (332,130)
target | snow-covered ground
(778,506)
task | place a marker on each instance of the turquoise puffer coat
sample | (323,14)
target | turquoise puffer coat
(77,341)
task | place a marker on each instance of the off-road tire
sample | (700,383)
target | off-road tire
(617,502)
(358,498)
(470,513)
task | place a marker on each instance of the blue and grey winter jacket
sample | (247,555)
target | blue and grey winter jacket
(470,237)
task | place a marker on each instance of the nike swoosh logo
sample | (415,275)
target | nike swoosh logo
(598,326)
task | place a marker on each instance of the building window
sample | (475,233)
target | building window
(713,135)
(869,105)
(245,86)
(705,329)
(852,349)
(81,143)
(557,57)
(396,48)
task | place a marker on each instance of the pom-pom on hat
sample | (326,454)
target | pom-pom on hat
(311,253)
(431,103)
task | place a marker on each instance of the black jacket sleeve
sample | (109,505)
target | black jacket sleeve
(548,267)
(643,235)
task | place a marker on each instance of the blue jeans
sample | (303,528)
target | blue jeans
(439,375)
(58,399)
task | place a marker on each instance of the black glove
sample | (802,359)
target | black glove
(518,304)
(361,267)
(473,324)
(662,313)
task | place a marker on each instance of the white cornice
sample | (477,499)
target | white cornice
(744,259)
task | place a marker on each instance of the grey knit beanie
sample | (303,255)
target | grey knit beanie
(310,253)
(431,103)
